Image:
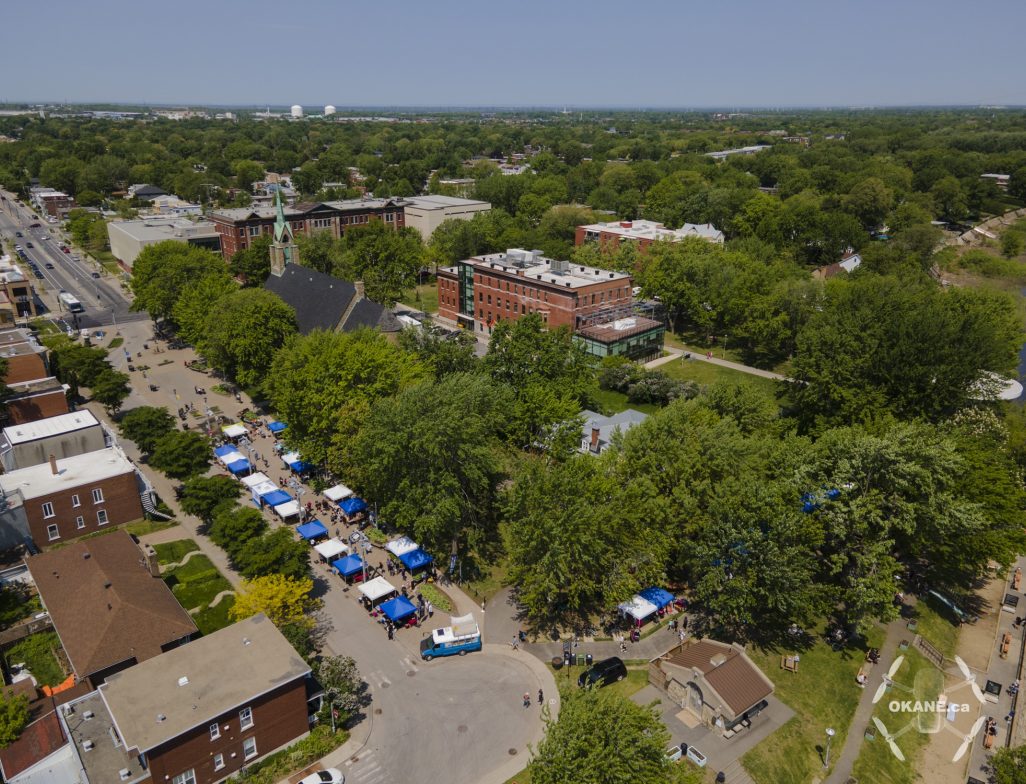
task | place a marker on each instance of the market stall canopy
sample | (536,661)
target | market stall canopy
(234,430)
(331,548)
(352,505)
(312,530)
(349,565)
(288,509)
(276,427)
(399,547)
(224,450)
(637,607)
(264,488)
(295,462)
(253,480)
(398,608)
(658,596)
(415,559)
(377,588)
(239,466)
(337,493)
(275,497)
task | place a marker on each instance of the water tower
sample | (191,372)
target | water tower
(329,110)
(297,112)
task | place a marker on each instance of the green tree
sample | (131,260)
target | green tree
(588,743)
(277,552)
(444,353)
(202,495)
(870,201)
(253,264)
(950,199)
(385,259)
(146,425)
(447,495)
(1012,243)
(284,600)
(76,365)
(198,299)
(1009,765)
(243,332)
(110,388)
(322,383)
(181,454)
(232,527)
(14,717)
(341,680)
(163,270)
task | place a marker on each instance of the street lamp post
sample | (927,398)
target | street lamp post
(826,758)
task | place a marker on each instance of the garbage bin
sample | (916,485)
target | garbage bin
(587,659)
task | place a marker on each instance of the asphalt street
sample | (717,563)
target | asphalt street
(102,298)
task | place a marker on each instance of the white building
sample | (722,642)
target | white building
(329,110)
(62,436)
(426,213)
(128,238)
(646,231)
(751,149)
(297,112)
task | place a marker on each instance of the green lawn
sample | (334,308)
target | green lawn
(213,618)
(875,762)
(936,624)
(489,583)
(437,597)
(823,693)
(610,402)
(37,653)
(195,584)
(143,527)
(423,298)
(706,373)
(173,552)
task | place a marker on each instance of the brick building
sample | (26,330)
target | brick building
(18,289)
(63,436)
(199,713)
(35,399)
(239,226)
(643,232)
(26,359)
(481,291)
(109,609)
(65,499)
(53,203)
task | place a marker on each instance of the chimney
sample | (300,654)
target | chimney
(53,464)
(594,439)
(151,560)
(358,285)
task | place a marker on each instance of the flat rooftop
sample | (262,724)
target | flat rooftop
(49,427)
(650,230)
(39,480)
(537,267)
(431,202)
(106,756)
(345,205)
(157,229)
(11,336)
(619,329)
(192,685)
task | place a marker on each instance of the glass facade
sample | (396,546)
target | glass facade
(466,278)
(644,345)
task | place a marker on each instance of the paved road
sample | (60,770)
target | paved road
(453,720)
(102,298)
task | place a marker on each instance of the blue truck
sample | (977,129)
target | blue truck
(462,636)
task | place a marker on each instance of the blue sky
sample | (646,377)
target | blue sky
(524,53)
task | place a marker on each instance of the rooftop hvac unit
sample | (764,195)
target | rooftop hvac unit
(88,715)
(88,745)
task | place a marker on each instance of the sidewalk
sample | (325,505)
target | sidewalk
(699,356)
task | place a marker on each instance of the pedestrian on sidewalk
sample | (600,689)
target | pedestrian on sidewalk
(514,644)
(541,697)
(527,700)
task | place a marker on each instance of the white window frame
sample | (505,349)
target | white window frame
(188,777)
(101,517)
(246,718)
(215,731)
(97,495)
(218,761)
(48,510)
(53,533)
(249,742)
(79,522)
(76,501)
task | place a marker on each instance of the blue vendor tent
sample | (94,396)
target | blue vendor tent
(312,530)
(276,427)
(415,559)
(398,608)
(658,596)
(227,449)
(349,565)
(352,505)
(276,497)
(240,467)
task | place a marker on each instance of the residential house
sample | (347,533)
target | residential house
(52,203)
(715,682)
(18,290)
(35,399)
(849,262)
(42,753)
(598,431)
(71,497)
(110,609)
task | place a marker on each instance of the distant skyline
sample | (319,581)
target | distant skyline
(460,54)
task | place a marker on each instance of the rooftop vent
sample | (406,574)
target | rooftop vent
(125,774)
(183,681)
(88,715)
(718,659)
(87,745)
(559,266)
(246,641)
(161,718)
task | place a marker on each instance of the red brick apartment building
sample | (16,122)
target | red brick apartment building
(65,499)
(481,291)
(239,226)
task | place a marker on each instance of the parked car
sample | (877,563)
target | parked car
(65,248)
(603,673)
(326,776)
(34,225)
(48,265)
(17,234)
(29,245)
(95,274)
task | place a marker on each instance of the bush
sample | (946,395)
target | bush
(658,388)
(280,765)
(619,377)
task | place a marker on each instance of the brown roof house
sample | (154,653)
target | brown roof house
(199,713)
(714,681)
(108,609)
(41,755)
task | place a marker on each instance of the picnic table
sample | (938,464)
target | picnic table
(789,663)
(1006,643)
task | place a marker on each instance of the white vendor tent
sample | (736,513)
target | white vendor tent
(401,546)
(638,608)
(375,589)
(337,493)
(253,480)
(234,431)
(287,509)
(331,549)
(290,457)
(263,488)
(231,457)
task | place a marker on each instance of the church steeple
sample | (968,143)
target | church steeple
(283,248)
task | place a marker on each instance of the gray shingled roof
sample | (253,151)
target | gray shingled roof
(321,300)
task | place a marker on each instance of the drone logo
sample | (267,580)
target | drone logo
(929,703)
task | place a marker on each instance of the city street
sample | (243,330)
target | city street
(102,297)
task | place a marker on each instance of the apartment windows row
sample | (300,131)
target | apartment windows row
(48,510)
(249,751)
(53,531)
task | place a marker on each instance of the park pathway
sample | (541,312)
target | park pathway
(697,356)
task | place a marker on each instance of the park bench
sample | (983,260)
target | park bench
(789,663)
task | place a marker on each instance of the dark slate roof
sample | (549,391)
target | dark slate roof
(370,314)
(149,191)
(320,302)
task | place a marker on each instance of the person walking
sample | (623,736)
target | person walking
(527,700)
(541,697)
(514,644)
(430,610)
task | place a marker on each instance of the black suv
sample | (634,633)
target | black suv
(603,673)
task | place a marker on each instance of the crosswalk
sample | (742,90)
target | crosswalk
(376,679)
(366,769)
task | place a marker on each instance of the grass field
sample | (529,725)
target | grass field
(706,373)
(823,693)
(195,584)
(36,652)
(610,402)
(488,584)
(424,297)
(173,552)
